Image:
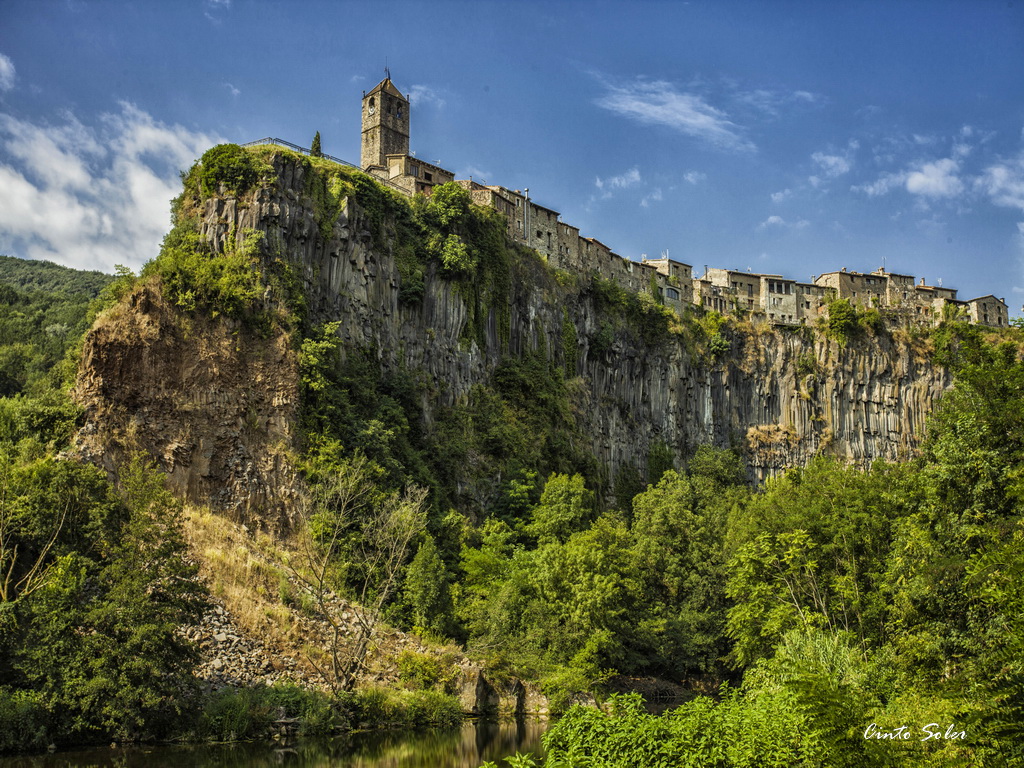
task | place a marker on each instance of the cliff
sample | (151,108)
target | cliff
(215,403)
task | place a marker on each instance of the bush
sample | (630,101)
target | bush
(194,277)
(842,320)
(411,709)
(232,166)
(233,715)
(237,714)
(23,721)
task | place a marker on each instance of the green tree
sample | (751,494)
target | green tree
(566,506)
(448,206)
(428,589)
(98,639)
(355,538)
(315,150)
(679,541)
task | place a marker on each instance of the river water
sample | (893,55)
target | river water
(461,747)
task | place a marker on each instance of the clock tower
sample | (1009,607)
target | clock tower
(385,125)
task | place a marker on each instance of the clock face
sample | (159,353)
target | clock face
(372,109)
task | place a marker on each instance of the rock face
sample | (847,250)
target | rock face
(784,396)
(211,402)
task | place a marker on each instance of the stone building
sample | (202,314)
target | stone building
(779,299)
(385,144)
(710,296)
(810,301)
(988,310)
(678,283)
(743,288)
(866,290)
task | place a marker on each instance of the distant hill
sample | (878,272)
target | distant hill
(31,275)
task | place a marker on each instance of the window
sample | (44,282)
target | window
(428,176)
(672,293)
(539,234)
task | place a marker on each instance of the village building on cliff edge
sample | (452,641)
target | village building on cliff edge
(780,300)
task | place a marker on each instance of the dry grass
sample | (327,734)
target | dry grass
(252,574)
(245,572)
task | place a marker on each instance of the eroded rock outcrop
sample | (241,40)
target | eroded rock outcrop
(213,402)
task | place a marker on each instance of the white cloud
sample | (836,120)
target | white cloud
(764,100)
(938,179)
(216,6)
(657,102)
(769,102)
(6,73)
(653,197)
(781,223)
(883,185)
(628,179)
(695,177)
(961,150)
(1003,182)
(234,91)
(424,94)
(833,165)
(782,194)
(91,196)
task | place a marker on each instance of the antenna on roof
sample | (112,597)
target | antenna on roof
(387,70)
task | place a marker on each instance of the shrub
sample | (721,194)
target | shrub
(842,320)
(236,714)
(23,721)
(412,709)
(193,277)
(232,166)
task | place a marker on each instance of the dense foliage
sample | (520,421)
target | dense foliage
(44,309)
(857,603)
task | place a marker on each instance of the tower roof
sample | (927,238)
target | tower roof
(388,87)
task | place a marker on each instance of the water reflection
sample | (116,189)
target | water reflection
(464,747)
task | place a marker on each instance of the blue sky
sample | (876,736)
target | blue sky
(788,137)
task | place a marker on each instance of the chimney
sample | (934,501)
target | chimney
(922,281)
